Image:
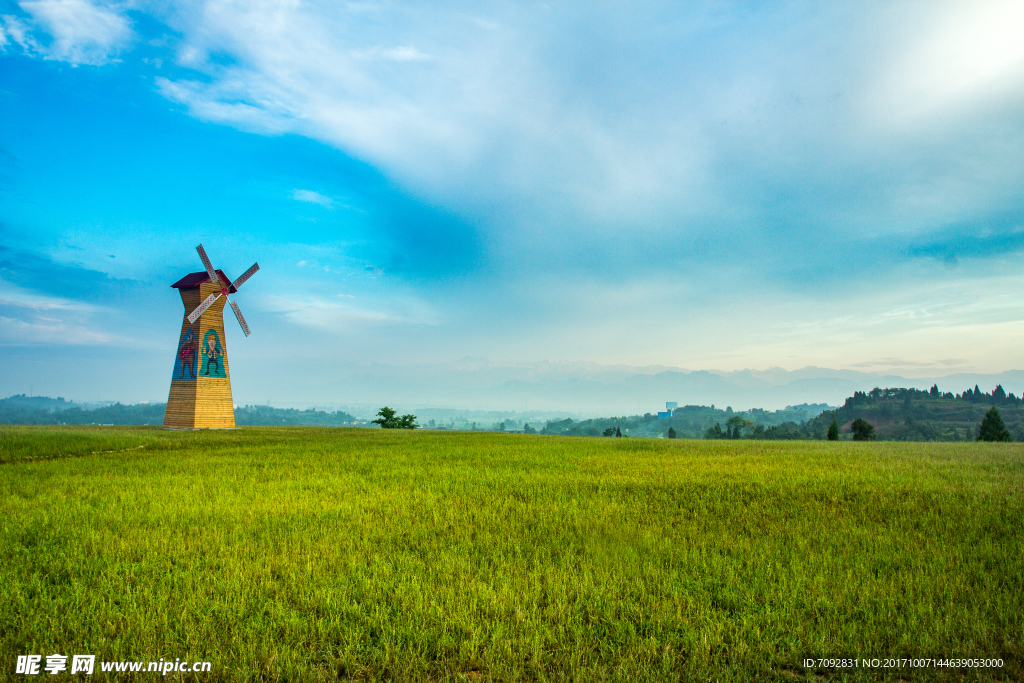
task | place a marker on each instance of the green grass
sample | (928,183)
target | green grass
(321,554)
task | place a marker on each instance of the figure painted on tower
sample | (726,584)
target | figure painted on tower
(185,363)
(213,356)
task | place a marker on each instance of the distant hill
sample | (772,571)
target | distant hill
(917,415)
(897,415)
(689,422)
(40,410)
(810,408)
(593,390)
(33,403)
(265,415)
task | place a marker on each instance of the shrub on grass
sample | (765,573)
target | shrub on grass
(862,430)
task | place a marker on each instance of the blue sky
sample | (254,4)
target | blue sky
(714,186)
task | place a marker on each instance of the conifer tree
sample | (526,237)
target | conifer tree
(833,429)
(992,427)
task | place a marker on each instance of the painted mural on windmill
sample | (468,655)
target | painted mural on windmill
(200,396)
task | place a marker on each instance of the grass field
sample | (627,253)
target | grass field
(321,554)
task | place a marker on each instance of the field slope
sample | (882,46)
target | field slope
(322,554)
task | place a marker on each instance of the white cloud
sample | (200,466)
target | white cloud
(28,317)
(404,53)
(226,101)
(625,152)
(540,122)
(341,314)
(81,32)
(48,331)
(630,151)
(964,55)
(14,296)
(12,28)
(474,113)
(312,197)
(311,311)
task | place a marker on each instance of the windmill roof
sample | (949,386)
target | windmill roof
(196,279)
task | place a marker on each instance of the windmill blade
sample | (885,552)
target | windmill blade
(245,276)
(209,266)
(238,314)
(207,302)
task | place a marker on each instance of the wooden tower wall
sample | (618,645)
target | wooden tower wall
(205,402)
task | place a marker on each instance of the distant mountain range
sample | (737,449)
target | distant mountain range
(897,414)
(591,389)
(472,387)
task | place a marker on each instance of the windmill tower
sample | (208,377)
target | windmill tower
(200,395)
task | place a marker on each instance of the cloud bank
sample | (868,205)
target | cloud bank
(637,121)
(712,185)
(73,31)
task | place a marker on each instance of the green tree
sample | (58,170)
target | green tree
(527,429)
(389,420)
(833,429)
(714,432)
(671,433)
(618,432)
(992,427)
(734,427)
(862,430)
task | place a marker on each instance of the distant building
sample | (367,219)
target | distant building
(670,408)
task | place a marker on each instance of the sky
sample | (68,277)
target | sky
(707,186)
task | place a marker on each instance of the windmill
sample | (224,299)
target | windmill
(200,394)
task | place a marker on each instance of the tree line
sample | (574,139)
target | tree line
(997,397)
(40,410)
(899,414)
(896,414)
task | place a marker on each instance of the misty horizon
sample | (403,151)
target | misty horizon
(583,390)
(651,186)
